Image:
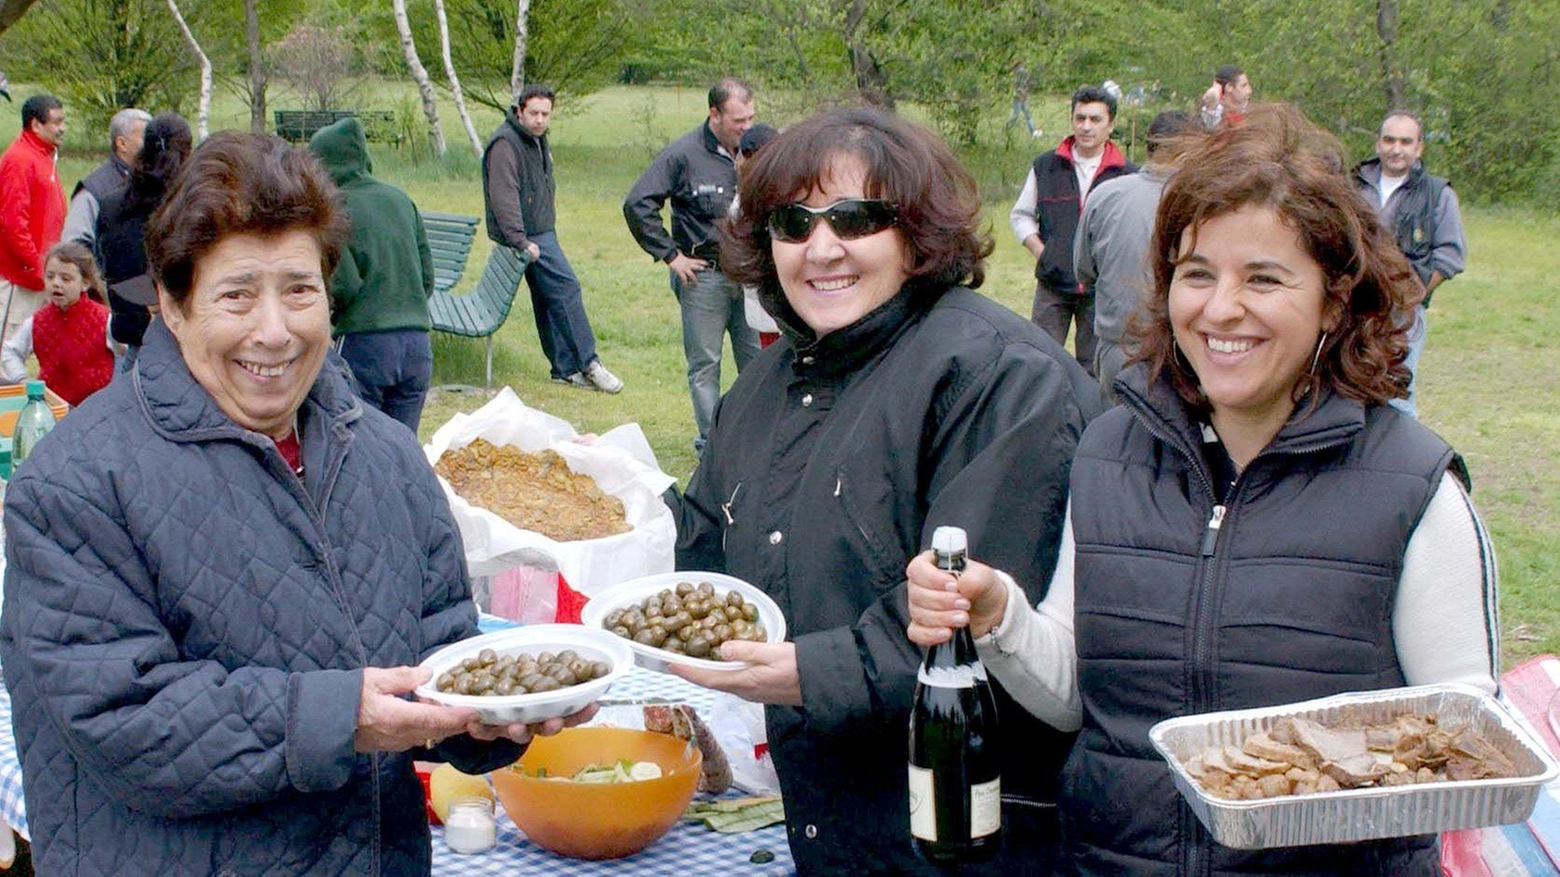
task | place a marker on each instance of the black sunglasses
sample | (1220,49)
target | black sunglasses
(851,218)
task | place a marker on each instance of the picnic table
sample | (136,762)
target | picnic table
(689,848)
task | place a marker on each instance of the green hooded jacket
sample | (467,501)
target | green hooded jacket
(382,283)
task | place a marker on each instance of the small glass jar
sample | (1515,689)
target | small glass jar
(470,827)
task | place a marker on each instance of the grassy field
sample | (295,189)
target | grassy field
(1488,383)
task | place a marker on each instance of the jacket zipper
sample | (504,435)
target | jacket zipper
(1192,862)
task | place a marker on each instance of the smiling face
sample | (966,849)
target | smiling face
(1237,94)
(830,282)
(1091,127)
(730,120)
(52,129)
(1246,306)
(1399,145)
(63,283)
(255,326)
(536,115)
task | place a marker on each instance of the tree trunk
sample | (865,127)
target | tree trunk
(449,71)
(257,73)
(420,76)
(1391,76)
(204,117)
(522,36)
(871,81)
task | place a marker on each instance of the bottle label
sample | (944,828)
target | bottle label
(923,809)
(962,676)
(986,808)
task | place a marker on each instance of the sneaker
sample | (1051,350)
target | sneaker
(576,380)
(597,375)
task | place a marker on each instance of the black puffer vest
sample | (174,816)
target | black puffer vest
(105,178)
(1288,597)
(533,165)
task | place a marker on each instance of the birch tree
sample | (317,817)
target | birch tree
(449,71)
(403,26)
(203,117)
(522,31)
(257,73)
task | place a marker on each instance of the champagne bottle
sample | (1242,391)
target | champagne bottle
(955,777)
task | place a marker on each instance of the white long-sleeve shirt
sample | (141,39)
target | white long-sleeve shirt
(1445,621)
(13,355)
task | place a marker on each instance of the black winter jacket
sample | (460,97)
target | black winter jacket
(1283,593)
(1058,206)
(120,247)
(700,179)
(187,622)
(827,468)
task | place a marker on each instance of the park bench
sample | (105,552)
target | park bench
(480,312)
(449,240)
(298,126)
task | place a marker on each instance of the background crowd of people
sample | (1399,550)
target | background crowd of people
(1254,523)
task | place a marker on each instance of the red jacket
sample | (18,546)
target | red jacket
(32,209)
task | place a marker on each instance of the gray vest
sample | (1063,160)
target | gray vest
(1290,599)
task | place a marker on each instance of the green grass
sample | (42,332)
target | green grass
(1488,380)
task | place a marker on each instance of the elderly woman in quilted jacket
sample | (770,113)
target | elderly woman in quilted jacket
(223,568)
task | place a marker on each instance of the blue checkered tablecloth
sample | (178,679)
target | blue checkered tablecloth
(689,848)
(12,809)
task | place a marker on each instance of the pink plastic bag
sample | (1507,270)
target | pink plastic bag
(525,594)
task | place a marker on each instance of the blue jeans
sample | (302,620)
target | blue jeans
(711,308)
(1416,346)
(561,324)
(392,370)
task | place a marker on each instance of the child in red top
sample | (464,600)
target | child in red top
(75,354)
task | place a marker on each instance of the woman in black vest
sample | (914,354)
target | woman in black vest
(1254,526)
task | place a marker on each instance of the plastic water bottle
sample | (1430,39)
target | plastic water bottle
(32,424)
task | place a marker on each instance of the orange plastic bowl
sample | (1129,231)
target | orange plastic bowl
(598,820)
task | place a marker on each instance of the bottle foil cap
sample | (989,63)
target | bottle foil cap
(949,540)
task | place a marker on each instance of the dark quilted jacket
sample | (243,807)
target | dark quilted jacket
(184,627)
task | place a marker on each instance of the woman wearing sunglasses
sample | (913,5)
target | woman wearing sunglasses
(898,400)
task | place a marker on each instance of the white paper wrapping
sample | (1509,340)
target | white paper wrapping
(622,464)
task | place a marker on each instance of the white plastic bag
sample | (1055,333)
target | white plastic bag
(739,726)
(622,465)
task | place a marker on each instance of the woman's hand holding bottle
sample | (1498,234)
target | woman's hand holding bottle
(940,602)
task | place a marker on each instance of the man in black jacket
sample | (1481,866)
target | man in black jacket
(698,175)
(517,195)
(1045,216)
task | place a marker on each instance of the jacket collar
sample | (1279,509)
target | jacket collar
(1334,420)
(513,121)
(711,142)
(36,143)
(1112,155)
(1369,171)
(180,409)
(843,351)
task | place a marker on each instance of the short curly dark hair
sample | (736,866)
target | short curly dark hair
(1280,160)
(242,183)
(938,202)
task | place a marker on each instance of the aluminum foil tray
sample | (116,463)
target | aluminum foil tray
(1362,814)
